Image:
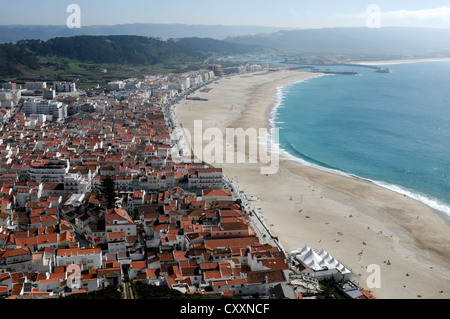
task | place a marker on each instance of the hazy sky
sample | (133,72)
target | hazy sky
(279,13)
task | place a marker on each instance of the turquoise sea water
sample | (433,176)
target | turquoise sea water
(393,129)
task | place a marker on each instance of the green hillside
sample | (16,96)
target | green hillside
(72,56)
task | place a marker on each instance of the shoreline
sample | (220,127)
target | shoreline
(431,202)
(334,203)
(285,155)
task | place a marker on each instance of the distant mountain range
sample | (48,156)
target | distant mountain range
(386,40)
(381,41)
(21,56)
(14,33)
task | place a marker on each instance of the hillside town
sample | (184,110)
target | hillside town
(185,226)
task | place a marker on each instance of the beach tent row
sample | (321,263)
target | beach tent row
(319,261)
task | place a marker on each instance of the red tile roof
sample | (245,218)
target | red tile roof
(213,244)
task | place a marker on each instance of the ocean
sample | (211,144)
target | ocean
(390,128)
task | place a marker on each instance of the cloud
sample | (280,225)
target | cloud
(424,14)
(431,18)
(434,17)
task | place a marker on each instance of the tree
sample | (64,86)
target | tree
(109,192)
(107,293)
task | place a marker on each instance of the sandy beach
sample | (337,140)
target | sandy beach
(356,221)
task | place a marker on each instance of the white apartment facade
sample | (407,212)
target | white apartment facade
(52,171)
(76,184)
(206,178)
(46,107)
(64,87)
(87,257)
(118,220)
(35,85)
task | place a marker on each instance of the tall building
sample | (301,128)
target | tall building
(8,86)
(13,95)
(35,86)
(49,94)
(46,107)
(76,184)
(64,87)
(48,171)
(116,85)
(216,68)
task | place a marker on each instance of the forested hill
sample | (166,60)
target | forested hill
(129,50)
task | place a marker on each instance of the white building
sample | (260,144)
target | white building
(35,86)
(253,67)
(46,107)
(206,178)
(195,80)
(177,86)
(76,184)
(214,195)
(185,82)
(49,94)
(49,285)
(48,171)
(64,87)
(13,256)
(116,242)
(116,85)
(8,86)
(207,75)
(118,220)
(88,284)
(132,85)
(137,268)
(87,257)
(150,151)
(10,95)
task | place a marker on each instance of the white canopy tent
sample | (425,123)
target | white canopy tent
(319,261)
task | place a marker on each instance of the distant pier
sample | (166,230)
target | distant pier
(336,72)
(313,67)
